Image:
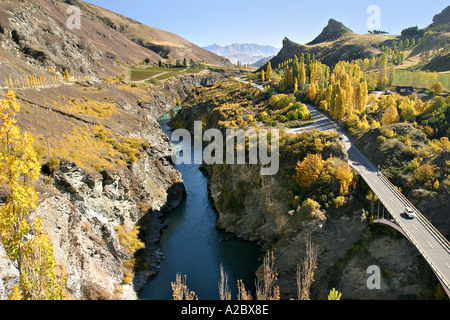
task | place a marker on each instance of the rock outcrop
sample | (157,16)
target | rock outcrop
(333,31)
(80,212)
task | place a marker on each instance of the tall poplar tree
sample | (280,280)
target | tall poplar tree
(269,71)
(295,69)
(302,75)
(27,246)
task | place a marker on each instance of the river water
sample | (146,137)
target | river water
(194,247)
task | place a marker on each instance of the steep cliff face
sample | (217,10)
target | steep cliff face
(348,244)
(82,209)
(264,209)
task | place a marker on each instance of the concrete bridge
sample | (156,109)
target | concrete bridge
(433,246)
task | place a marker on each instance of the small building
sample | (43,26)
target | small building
(405,91)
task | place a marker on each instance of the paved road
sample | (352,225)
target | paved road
(258,86)
(321,123)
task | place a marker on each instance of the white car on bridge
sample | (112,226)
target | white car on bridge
(410,213)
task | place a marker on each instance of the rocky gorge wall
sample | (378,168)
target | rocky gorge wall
(81,209)
(346,241)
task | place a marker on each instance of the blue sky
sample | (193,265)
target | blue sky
(205,22)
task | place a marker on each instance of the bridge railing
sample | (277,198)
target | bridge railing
(427,225)
(438,235)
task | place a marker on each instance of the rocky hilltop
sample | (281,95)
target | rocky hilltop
(333,31)
(337,43)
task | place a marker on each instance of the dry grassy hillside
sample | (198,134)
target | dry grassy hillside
(162,42)
(335,43)
(338,43)
(35,38)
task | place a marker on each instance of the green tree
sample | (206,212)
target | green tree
(302,75)
(407,43)
(382,76)
(391,76)
(437,87)
(296,69)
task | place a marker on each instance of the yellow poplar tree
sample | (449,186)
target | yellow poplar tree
(312,92)
(340,107)
(308,171)
(269,71)
(390,116)
(348,89)
(344,175)
(180,290)
(334,295)
(27,247)
(66,76)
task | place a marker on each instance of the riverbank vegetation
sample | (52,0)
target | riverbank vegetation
(266,287)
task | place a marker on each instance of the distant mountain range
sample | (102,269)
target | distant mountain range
(245,53)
